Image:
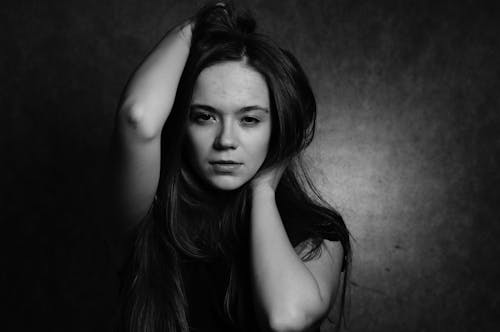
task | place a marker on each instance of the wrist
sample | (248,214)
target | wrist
(263,189)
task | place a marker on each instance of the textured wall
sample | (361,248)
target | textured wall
(407,148)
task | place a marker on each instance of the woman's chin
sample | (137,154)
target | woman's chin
(226,183)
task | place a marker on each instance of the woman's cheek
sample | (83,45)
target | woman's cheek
(200,143)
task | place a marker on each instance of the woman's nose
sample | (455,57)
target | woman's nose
(226,138)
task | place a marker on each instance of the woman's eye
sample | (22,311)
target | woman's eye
(203,117)
(247,120)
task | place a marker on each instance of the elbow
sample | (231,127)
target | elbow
(303,316)
(293,321)
(136,120)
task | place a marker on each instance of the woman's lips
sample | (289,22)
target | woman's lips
(225,166)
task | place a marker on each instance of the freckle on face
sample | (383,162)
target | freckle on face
(227,88)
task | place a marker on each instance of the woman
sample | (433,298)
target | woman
(227,231)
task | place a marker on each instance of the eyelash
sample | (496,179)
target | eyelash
(253,121)
(203,118)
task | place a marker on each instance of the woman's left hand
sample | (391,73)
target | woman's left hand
(269,178)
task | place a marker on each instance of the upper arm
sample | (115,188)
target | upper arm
(136,169)
(326,269)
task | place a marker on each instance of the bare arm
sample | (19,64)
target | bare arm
(146,105)
(292,295)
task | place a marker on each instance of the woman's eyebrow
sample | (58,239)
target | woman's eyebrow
(241,110)
(203,107)
(254,108)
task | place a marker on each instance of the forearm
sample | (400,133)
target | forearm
(285,289)
(151,92)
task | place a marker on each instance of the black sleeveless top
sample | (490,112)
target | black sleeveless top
(205,281)
(205,284)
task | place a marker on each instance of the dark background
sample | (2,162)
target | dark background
(407,148)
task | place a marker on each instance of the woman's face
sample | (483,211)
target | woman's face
(229,125)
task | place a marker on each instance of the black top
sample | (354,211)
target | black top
(205,284)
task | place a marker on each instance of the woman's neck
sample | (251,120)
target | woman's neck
(215,219)
(197,193)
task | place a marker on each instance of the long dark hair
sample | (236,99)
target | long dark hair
(154,294)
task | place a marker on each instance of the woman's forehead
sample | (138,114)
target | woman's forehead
(231,85)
